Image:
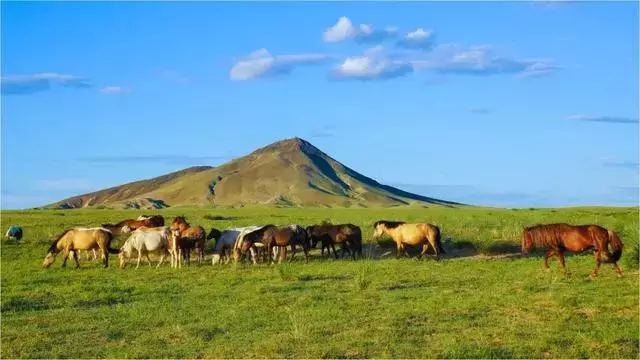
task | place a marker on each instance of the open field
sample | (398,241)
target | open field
(463,306)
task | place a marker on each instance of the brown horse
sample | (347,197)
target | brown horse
(249,241)
(129,225)
(349,236)
(410,234)
(283,236)
(188,237)
(76,239)
(558,238)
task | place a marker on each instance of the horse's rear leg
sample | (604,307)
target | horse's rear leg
(547,254)
(139,257)
(146,253)
(334,251)
(66,256)
(293,252)
(561,257)
(618,270)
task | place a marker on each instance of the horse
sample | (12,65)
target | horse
(250,240)
(226,240)
(560,237)
(144,240)
(14,233)
(349,236)
(74,239)
(186,237)
(129,225)
(410,234)
(283,236)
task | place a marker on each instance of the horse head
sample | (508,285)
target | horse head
(214,234)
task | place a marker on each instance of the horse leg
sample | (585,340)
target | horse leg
(598,261)
(146,253)
(334,250)
(283,254)
(561,257)
(306,254)
(293,251)
(66,255)
(547,255)
(139,257)
(75,257)
(164,253)
(615,265)
(95,254)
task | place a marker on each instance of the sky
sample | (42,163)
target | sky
(515,104)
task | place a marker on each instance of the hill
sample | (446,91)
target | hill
(290,172)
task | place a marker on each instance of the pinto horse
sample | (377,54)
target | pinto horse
(129,225)
(347,235)
(76,239)
(411,234)
(250,239)
(560,237)
(186,237)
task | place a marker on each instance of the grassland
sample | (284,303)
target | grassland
(466,305)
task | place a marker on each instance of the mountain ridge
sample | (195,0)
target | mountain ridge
(289,172)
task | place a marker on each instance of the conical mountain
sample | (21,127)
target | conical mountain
(290,172)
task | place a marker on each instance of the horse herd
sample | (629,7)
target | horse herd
(267,242)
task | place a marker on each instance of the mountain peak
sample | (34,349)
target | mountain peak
(288,172)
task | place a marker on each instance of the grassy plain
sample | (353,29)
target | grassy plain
(496,304)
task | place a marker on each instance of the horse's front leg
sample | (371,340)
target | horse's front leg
(283,254)
(164,253)
(293,251)
(333,246)
(598,261)
(306,254)
(75,257)
(547,254)
(66,256)
(139,257)
(146,253)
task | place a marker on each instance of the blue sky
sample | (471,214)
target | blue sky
(495,103)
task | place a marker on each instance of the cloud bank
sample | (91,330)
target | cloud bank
(262,63)
(604,119)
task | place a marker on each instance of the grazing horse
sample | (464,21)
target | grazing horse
(225,241)
(129,225)
(349,236)
(410,234)
(283,236)
(76,239)
(250,240)
(187,237)
(14,233)
(558,238)
(144,240)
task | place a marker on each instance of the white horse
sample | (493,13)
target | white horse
(144,240)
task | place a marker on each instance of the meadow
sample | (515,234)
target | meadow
(481,300)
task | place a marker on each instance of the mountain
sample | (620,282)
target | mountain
(289,172)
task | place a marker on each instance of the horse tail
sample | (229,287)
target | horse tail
(110,236)
(616,245)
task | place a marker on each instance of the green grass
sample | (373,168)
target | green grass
(462,306)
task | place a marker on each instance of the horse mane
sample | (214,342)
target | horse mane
(55,242)
(388,224)
(180,218)
(547,235)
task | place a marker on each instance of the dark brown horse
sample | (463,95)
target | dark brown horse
(555,239)
(249,242)
(188,237)
(283,236)
(349,236)
(129,225)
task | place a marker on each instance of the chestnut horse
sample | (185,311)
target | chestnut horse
(347,235)
(250,240)
(561,237)
(76,239)
(187,237)
(411,234)
(129,225)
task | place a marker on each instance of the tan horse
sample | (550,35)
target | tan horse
(76,239)
(410,234)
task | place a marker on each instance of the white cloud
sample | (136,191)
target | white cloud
(114,90)
(373,65)
(418,39)
(480,60)
(364,33)
(342,30)
(261,63)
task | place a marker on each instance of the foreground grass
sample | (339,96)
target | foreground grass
(408,308)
